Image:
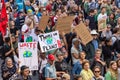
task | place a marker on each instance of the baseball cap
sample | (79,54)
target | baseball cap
(51,57)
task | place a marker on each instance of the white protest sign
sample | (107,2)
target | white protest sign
(28,54)
(49,41)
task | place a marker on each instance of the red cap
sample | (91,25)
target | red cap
(51,57)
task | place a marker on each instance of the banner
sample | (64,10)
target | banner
(28,55)
(64,24)
(3,17)
(83,33)
(43,22)
(49,41)
(102,25)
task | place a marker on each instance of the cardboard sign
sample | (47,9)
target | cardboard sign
(64,24)
(28,55)
(83,33)
(49,41)
(102,25)
(43,22)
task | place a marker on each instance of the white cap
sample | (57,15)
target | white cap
(93,32)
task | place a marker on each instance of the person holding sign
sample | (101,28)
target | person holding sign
(103,14)
(26,29)
(75,50)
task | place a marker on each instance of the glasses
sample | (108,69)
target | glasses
(97,71)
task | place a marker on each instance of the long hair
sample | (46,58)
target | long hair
(114,73)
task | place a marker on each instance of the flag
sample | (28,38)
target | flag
(3,17)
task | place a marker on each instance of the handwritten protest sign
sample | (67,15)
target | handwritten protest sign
(102,24)
(83,33)
(64,24)
(49,41)
(28,54)
(43,22)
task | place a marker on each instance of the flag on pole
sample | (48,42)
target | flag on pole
(3,17)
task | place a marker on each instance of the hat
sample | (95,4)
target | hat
(93,32)
(51,57)
(66,76)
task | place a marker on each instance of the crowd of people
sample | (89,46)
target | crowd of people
(97,60)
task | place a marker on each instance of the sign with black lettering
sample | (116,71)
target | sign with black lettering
(49,41)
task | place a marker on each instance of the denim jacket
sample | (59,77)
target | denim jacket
(77,68)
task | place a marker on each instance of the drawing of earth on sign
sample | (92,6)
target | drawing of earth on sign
(27,54)
(49,41)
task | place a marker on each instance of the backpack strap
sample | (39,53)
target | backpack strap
(40,64)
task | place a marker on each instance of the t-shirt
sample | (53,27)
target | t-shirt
(102,16)
(6,49)
(13,31)
(42,64)
(50,71)
(26,30)
(73,50)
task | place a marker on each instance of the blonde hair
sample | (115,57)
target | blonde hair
(114,73)
(28,21)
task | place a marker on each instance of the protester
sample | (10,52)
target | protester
(108,51)
(24,74)
(112,73)
(26,29)
(92,46)
(8,50)
(42,64)
(60,64)
(75,50)
(49,27)
(107,33)
(97,72)
(98,61)
(50,71)
(86,73)
(8,69)
(78,65)
(20,20)
(118,64)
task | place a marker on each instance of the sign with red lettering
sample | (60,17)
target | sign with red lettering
(49,41)
(28,54)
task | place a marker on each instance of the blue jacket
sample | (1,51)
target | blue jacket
(77,68)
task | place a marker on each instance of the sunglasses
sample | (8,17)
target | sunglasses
(97,71)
